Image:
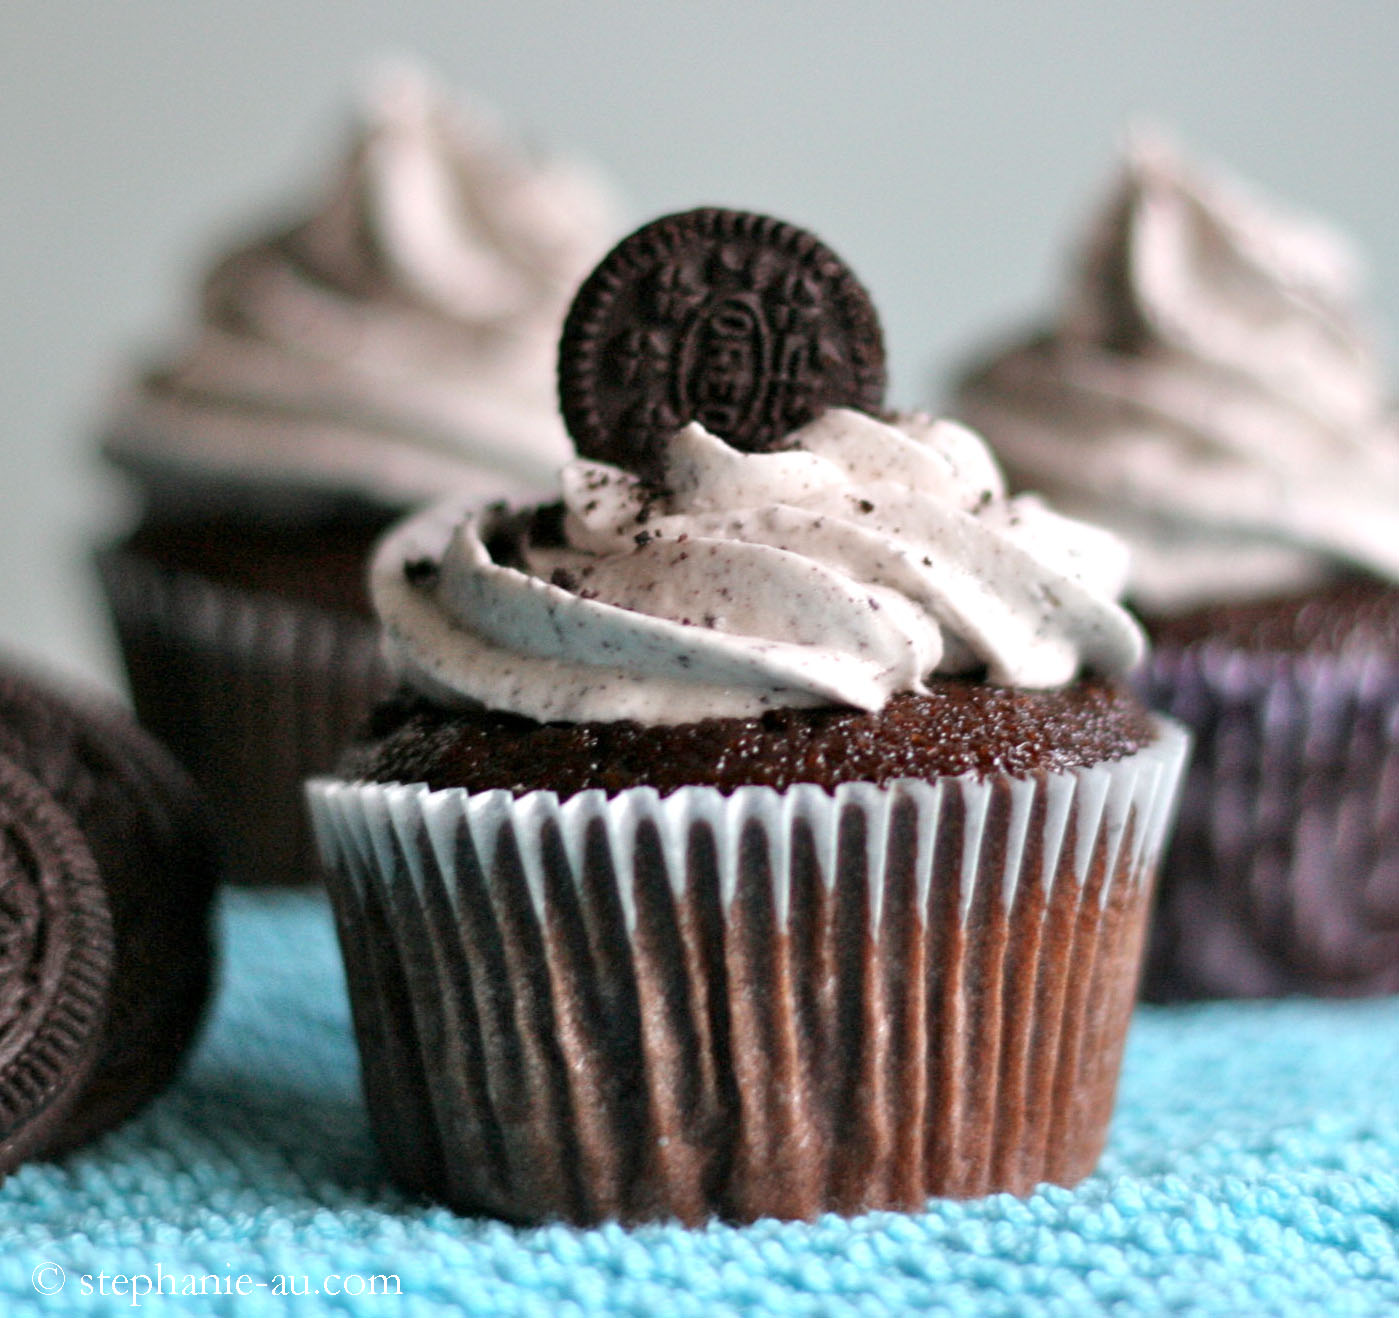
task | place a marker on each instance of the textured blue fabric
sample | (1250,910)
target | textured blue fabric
(1253,1169)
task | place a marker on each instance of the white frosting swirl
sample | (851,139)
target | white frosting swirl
(852,564)
(1209,393)
(398,342)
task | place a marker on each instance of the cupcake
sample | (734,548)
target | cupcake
(391,346)
(1212,394)
(759,830)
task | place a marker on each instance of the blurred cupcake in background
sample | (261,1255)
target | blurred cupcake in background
(1211,391)
(394,344)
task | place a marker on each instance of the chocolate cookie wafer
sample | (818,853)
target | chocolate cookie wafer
(749,325)
(56,965)
(155,853)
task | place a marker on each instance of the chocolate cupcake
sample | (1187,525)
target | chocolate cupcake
(747,839)
(1211,393)
(117,819)
(392,346)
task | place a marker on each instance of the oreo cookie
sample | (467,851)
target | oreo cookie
(744,323)
(57,960)
(154,850)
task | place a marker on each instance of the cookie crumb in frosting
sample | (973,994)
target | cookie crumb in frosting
(420,571)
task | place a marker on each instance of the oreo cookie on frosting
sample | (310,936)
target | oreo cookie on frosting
(751,835)
(748,325)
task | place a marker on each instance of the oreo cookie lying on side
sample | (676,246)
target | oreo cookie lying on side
(56,965)
(107,871)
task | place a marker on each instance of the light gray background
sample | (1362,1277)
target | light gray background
(945,150)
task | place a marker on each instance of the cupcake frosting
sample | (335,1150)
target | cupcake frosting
(1210,391)
(855,562)
(399,340)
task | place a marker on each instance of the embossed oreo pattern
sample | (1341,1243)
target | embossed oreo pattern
(56,959)
(743,323)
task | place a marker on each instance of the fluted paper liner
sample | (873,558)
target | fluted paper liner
(765,1003)
(253,693)
(1284,873)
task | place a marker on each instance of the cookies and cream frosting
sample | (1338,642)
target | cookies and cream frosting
(1209,391)
(855,562)
(400,340)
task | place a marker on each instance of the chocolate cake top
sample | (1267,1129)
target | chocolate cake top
(958,727)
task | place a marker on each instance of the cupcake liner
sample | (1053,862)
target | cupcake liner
(1284,873)
(253,693)
(760,1004)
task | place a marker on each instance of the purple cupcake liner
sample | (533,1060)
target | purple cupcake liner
(761,1004)
(1283,876)
(252,692)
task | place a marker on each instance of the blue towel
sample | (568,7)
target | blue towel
(1253,1169)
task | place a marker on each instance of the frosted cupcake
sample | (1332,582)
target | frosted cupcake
(759,830)
(1211,392)
(392,346)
